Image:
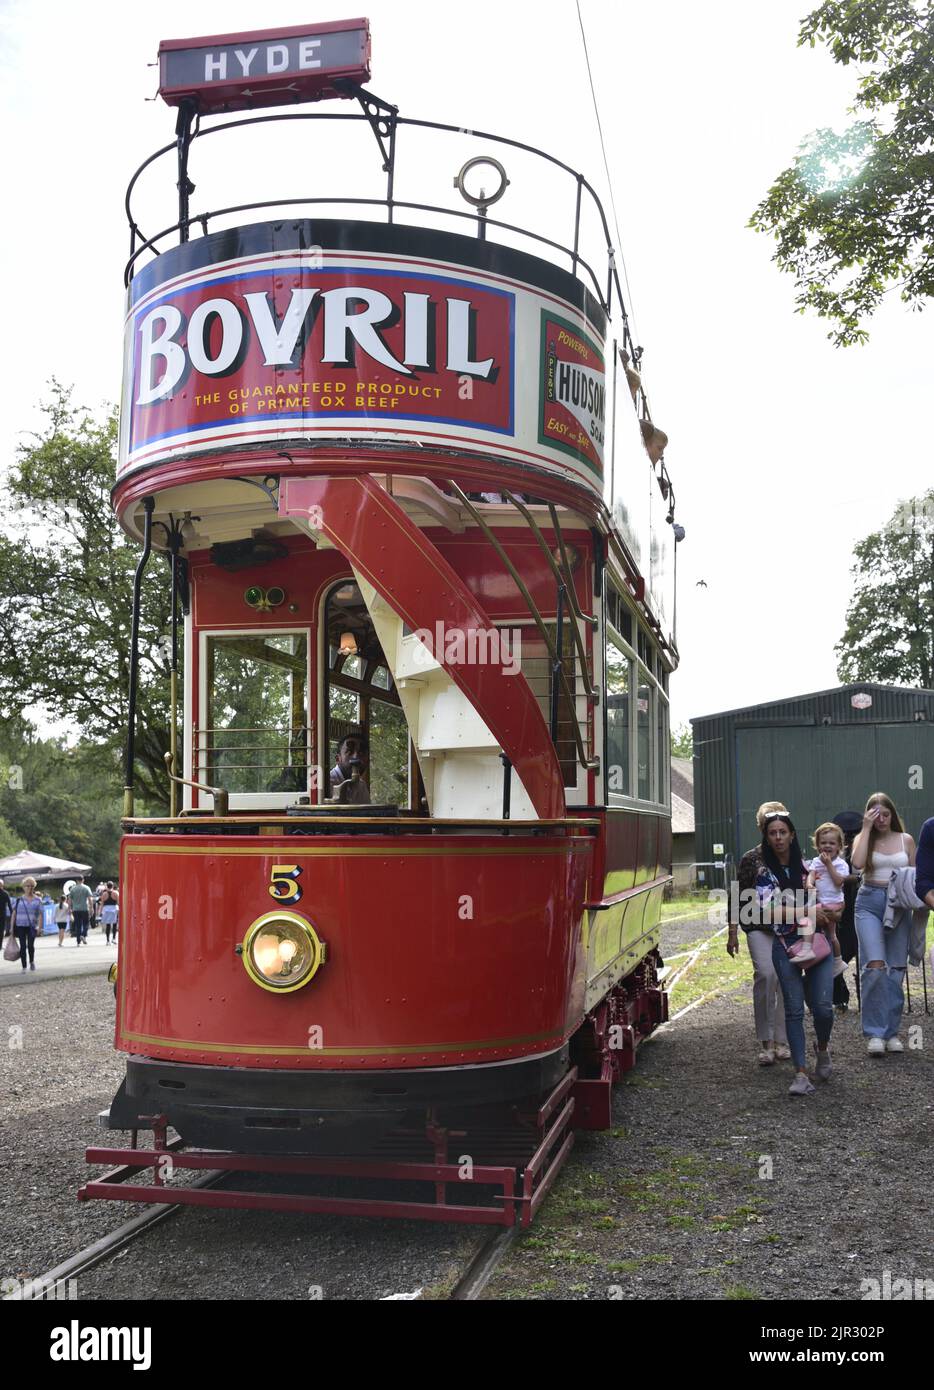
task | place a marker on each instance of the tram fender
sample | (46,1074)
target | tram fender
(122,1114)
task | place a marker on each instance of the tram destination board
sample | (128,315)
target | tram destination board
(267,67)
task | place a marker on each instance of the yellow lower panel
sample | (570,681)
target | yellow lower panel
(619,938)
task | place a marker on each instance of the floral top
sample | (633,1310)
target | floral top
(758,888)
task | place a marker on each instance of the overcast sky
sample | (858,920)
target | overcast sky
(783,449)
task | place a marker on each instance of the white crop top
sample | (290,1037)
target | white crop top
(883,864)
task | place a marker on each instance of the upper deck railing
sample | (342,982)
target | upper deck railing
(570,200)
(576,196)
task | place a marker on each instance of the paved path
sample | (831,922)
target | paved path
(54,962)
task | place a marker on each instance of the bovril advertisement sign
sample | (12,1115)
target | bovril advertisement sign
(318,345)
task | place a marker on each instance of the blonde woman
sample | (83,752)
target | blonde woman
(880,847)
(26,920)
(767,1002)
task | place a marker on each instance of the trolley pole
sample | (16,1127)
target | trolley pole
(186,114)
(175,540)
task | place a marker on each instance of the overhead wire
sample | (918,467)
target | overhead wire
(630,309)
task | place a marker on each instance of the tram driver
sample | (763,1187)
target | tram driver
(349,783)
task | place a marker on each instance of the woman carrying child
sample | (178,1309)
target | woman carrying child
(781,888)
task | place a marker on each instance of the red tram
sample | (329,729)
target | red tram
(401,922)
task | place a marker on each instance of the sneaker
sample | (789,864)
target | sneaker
(824,1067)
(893,1045)
(875,1047)
(841,1008)
(32,966)
(801,1086)
(766,1057)
(782,1053)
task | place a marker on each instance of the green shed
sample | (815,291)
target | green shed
(818,754)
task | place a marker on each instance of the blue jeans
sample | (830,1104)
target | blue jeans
(882,999)
(815,985)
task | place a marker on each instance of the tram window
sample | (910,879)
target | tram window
(618,686)
(644,722)
(256,735)
(617,614)
(361,695)
(343,710)
(389,736)
(612,605)
(662,745)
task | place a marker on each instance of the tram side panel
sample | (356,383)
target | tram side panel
(437,954)
(634,865)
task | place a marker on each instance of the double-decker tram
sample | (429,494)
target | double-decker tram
(398,934)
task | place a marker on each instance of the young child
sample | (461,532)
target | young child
(62,919)
(826,874)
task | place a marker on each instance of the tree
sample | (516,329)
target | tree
(66,584)
(889,634)
(682,741)
(852,215)
(59,800)
(10,841)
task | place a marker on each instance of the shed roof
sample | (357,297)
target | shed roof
(682,779)
(682,816)
(890,702)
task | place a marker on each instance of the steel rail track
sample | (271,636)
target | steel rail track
(483,1265)
(44,1288)
(469,1286)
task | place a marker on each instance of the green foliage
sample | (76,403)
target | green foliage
(740,1292)
(58,800)
(66,582)
(682,741)
(851,215)
(889,634)
(10,841)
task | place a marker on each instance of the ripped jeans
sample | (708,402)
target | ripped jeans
(881,991)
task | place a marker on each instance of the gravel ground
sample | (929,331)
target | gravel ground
(233,1255)
(683,932)
(677,1201)
(58,1069)
(54,1086)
